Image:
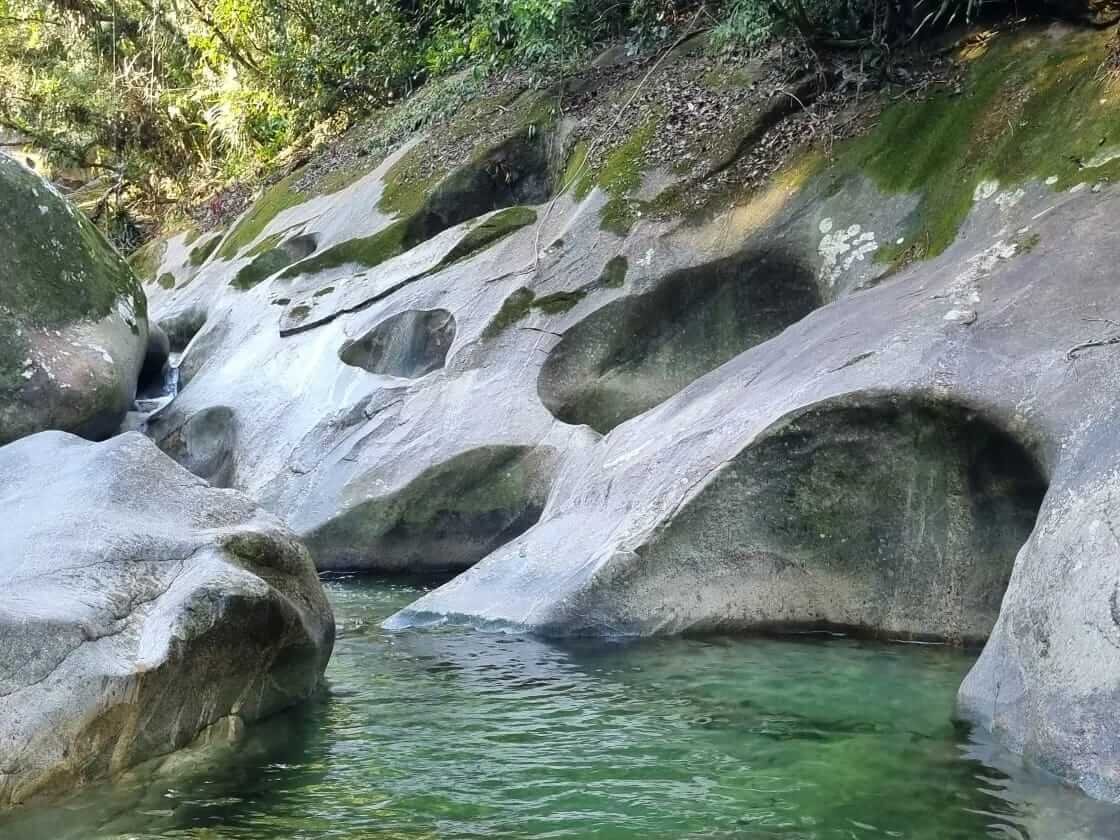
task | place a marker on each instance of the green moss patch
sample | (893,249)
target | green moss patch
(472,136)
(166,280)
(201,252)
(614,273)
(58,268)
(523,301)
(494,229)
(261,268)
(1031,108)
(574,170)
(145,262)
(515,307)
(559,302)
(366,251)
(279,197)
(619,176)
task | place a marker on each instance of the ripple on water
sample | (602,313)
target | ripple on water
(452,734)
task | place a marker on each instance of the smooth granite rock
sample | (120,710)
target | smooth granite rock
(140,611)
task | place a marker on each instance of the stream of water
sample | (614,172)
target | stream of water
(455,734)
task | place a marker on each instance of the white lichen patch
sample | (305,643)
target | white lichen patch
(989,191)
(1006,200)
(841,249)
(1104,156)
(985,190)
(965,293)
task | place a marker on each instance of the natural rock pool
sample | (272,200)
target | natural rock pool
(455,734)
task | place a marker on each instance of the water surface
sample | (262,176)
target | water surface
(454,734)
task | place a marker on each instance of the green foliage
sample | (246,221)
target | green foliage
(156,98)
(746,22)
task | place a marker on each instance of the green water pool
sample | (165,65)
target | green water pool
(457,734)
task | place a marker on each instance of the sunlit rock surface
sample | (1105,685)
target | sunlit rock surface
(140,611)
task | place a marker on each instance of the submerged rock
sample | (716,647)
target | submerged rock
(73,320)
(139,610)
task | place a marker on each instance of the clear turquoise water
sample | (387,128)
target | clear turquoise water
(456,734)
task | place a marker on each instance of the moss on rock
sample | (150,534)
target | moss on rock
(365,251)
(59,268)
(472,136)
(279,197)
(614,273)
(201,252)
(492,230)
(620,176)
(559,302)
(523,301)
(146,260)
(515,307)
(1031,107)
(262,267)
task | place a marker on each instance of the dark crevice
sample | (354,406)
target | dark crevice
(638,351)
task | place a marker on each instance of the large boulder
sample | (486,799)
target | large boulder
(73,322)
(140,611)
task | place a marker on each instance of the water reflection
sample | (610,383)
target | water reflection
(462,735)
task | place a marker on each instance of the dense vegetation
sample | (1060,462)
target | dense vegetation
(166,97)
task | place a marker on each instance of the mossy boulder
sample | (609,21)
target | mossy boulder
(73,319)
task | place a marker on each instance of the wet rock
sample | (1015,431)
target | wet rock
(139,609)
(73,318)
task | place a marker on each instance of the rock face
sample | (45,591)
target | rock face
(73,322)
(140,610)
(873,395)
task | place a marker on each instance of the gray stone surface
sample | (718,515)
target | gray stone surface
(73,323)
(140,611)
(744,422)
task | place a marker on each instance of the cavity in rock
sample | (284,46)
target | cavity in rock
(638,351)
(448,518)
(409,344)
